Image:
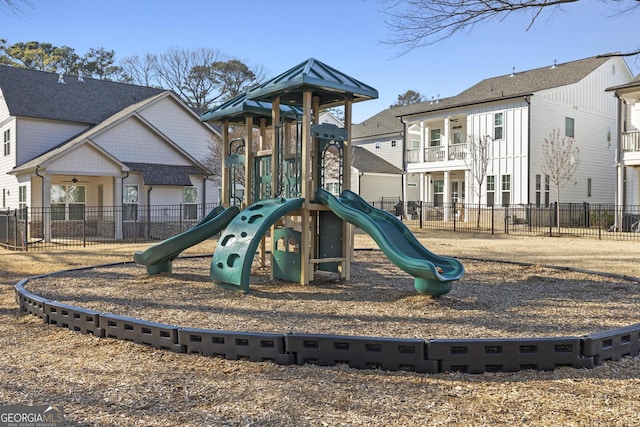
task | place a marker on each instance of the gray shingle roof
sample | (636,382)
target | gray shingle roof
(365,161)
(492,89)
(154,174)
(31,93)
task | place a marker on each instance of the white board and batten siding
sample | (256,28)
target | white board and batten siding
(594,113)
(509,155)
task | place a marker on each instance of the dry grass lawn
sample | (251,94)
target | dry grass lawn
(111,383)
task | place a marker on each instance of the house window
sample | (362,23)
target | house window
(378,145)
(538,190)
(393,143)
(506,190)
(588,187)
(491,189)
(569,127)
(7,142)
(435,138)
(438,192)
(333,188)
(67,202)
(130,202)
(190,199)
(22,201)
(546,191)
(497,126)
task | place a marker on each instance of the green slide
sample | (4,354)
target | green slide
(233,256)
(432,273)
(159,258)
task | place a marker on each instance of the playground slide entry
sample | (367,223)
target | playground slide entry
(432,273)
(159,258)
(233,256)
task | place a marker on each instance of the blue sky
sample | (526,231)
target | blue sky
(345,34)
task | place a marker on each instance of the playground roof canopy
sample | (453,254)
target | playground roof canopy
(237,109)
(329,84)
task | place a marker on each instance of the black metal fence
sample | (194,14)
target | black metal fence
(50,228)
(567,219)
(31,229)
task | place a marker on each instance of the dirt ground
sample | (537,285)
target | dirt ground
(107,382)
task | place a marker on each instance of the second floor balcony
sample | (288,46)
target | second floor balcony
(438,153)
(631,141)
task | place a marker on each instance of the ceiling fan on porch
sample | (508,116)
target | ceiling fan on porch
(74,180)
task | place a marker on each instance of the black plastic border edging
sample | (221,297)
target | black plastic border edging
(473,356)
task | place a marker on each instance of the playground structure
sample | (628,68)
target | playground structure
(285,175)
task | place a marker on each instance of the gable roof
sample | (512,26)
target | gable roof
(515,85)
(365,161)
(86,136)
(37,94)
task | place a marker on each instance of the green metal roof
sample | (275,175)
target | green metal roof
(237,109)
(312,75)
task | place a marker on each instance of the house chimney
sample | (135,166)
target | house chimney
(80,79)
(61,78)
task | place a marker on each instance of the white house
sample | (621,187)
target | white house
(516,112)
(73,143)
(628,134)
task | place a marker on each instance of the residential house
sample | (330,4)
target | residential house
(515,113)
(382,135)
(72,143)
(375,179)
(628,154)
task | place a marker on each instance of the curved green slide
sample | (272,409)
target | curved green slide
(159,258)
(432,273)
(233,256)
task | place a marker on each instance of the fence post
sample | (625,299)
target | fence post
(84,228)
(551,213)
(599,222)
(454,216)
(420,212)
(493,210)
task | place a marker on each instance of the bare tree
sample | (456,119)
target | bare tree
(477,160)
(560,163)
(140,70)
(187,73)
(419,23)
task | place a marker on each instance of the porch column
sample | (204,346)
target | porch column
(468,192)
(423,189)
(46,208)
(446,197)
(423,140)
(117,202)
(444,138)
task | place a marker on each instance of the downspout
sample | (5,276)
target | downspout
(42,178)
(120,233)
(42,202)
(149,210)
(527,99)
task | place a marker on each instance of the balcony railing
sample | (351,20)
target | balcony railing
(458,152)
(434,154)
(438,154)
(631,141)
